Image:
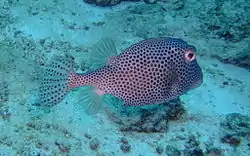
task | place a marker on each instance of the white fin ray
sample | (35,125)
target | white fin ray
(101,52)
(92,101)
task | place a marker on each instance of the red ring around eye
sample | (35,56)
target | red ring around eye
(189,55)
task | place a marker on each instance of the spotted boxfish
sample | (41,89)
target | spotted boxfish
(151,71)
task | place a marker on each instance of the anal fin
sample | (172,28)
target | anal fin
(92,100)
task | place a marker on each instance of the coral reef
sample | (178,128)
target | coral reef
(150,120)
(94,144)
(159,149)
(172,151)
(4,98)
(217,37)
(32,54)
(192,147)
(150,1)
(237,124)
(26,141)
(230,23)
(4,91)
(125,146)
(231,140)
(241,61)
(230,20)
(145,16)
(234,128)
(5,16)
(104,3)
(214,152)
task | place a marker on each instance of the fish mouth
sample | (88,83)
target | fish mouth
(196,85)
(199,82)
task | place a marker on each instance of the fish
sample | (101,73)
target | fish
(151,71)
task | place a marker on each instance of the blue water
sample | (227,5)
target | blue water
(211,120)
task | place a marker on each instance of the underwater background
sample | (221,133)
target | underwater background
(211,120)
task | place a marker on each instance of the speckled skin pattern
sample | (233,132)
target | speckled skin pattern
(149,72)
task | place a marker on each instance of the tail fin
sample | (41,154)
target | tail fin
(56,81)
(59,78)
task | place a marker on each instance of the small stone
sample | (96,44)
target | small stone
(4,91)
(176,111)
(94,144)
(89,1)
(5,113)
(214,152)
(39,145)
(88,136)
(172,151)
(150,1)
(34,152)
(86,27)
(98,24)
(102,154)
(231,140)
(7,141)
(192,152)
(34,12)
(62,147)
(225,83)
(103,2)
(125,148)
(124,140)
(42,41)
(182,129)
(178,4)
(192,142)
(159,149)
(16,33)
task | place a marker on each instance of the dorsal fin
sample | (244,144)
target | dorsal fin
(102,51)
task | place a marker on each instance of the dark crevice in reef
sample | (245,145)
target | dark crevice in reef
(149,120)
(241,61)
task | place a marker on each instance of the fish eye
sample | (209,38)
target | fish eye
(189,55)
